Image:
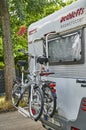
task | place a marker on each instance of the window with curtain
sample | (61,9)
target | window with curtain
(65,48)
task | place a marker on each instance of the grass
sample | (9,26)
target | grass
(5,105)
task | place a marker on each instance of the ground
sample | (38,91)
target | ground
(16,121)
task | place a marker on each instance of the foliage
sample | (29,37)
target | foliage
(19,42)
(25,12)
(1,63)
(1,47)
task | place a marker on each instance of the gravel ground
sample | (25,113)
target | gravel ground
(16,121)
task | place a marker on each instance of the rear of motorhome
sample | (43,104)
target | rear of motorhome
(62,37)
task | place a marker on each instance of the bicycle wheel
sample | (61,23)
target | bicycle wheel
(49,101)
(36,103)
(16,93)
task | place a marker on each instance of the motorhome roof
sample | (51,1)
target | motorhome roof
(67,18)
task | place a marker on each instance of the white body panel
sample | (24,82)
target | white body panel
(69,95)
(69,92)
(53,22)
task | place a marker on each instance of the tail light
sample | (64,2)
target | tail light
(74,128)
(83,105)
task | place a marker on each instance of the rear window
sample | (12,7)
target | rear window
(66,48)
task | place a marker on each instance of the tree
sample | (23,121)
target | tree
(22,12)
(7,46)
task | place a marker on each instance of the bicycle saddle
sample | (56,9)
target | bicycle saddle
(42,60)
(22,63)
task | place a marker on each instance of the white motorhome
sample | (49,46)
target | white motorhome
(64,35)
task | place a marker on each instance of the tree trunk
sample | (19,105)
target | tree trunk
(8,51)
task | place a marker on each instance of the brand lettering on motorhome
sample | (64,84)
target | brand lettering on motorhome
(73,14)
(32,31)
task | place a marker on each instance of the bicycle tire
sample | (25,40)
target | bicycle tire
(17,98)
(15,93)
(37,99)
(49,101)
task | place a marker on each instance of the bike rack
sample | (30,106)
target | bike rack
(23,111)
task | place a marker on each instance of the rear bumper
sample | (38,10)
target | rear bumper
(60,123)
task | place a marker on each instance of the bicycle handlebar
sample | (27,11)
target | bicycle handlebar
(39,59)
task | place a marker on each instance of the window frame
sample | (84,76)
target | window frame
(81,61)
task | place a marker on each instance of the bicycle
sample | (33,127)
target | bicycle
(38,90)
(49,92)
